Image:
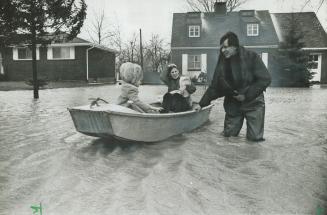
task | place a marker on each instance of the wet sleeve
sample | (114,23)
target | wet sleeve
(133,96)
(262,79)
(213,90)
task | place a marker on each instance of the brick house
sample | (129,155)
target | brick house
(314,38)
(77,59)
(196,35)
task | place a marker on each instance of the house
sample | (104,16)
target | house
(195,38)
(314,38)
(77,59)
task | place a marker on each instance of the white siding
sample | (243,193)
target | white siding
(204,63)
(184,64)
(72,52)
(264,57)
(49,53)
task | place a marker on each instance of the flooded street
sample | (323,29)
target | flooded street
(43,159)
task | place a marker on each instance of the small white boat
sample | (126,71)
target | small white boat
(110,120)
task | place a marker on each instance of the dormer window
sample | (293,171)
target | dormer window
(252,29)
(194,31)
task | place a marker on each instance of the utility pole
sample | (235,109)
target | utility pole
(132,47)
(141,49)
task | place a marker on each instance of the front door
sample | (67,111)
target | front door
(315,66)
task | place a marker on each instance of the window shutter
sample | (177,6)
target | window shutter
(15,53)
(49,53)
(184,64)
(264,57)
(204,63)
(37,53)
(72,52)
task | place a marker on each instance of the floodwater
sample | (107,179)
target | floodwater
(43,159)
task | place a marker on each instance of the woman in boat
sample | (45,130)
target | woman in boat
(171,77)
(131,75)
(178,100)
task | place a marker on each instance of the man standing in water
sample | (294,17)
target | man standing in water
(241,77)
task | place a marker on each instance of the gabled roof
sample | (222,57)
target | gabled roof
(214,26)
(62,41)
(314,34)
(81,42)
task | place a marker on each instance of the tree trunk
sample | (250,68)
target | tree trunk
(35,81)
(141,50)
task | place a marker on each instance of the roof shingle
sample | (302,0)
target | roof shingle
(214,26)
(314,34)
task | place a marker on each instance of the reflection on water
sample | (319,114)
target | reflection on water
(43,159)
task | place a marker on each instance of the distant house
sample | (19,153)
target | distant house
(314,38)
(77,59)
(195,37)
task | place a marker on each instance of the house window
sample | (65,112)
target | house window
(24,53)
(252,29)
(61,53)
(194,62)
(194,31)
(313,61)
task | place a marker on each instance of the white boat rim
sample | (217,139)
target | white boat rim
(152,115)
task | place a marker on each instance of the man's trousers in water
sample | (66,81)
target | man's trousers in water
(254,114)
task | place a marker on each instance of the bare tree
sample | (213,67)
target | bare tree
(155,52)
(100,31)
(208,5)
(132,49)
(321,2)
(128,51)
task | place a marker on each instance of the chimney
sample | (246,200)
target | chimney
(220,7)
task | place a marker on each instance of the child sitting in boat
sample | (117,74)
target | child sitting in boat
(178,100)
(171,76)
(131,75)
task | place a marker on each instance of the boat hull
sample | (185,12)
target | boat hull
(143,127)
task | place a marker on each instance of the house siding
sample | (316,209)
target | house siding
(212,58)
(101,65)
(213,26)
(324,67)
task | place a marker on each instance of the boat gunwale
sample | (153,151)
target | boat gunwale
(149,115)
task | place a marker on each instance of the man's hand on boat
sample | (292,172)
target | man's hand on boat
(197,107)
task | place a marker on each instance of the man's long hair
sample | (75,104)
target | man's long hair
(232,39)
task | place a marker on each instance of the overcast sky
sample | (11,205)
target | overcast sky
(155,16)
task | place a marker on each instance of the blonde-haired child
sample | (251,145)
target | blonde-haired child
(178,100)
(184,81)
(131,75)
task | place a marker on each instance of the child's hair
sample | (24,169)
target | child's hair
(131,72)
(184,81)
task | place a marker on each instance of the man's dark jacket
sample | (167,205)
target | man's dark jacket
(250,77)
